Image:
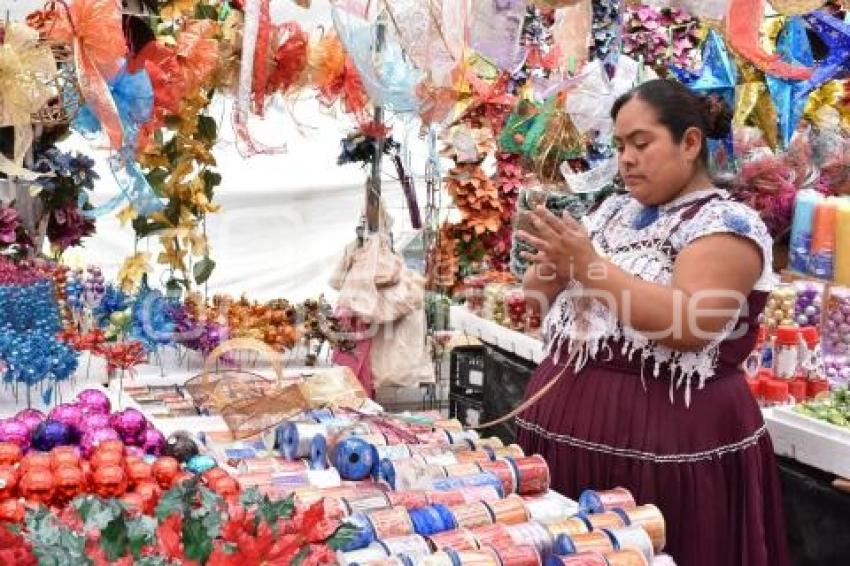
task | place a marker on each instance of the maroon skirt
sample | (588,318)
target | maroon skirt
(709,467)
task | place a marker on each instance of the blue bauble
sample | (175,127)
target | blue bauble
(50,434)
(200,464)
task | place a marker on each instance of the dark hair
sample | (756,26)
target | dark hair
(678,109)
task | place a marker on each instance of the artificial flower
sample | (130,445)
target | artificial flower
(132,271)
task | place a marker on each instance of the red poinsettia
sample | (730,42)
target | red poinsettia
(14,549)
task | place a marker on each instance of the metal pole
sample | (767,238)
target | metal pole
(373,194)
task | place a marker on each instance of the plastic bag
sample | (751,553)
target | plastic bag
(399,355)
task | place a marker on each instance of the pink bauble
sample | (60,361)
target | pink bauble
(134,451)
(93,421)
(69,413)
(16,432)
(94,401)
(30,417)
(153,442)
(93,438)
(130,424)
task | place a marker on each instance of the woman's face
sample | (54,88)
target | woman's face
(654,167)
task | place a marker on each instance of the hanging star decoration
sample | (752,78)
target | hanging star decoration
(718,76)
(753,105)
(836,35)
(788,95)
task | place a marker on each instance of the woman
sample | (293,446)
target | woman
(656,296)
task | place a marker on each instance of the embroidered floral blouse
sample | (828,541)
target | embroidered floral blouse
(644,241)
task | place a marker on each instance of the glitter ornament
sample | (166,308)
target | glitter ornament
(109,481)
(37,486)
(94,401)
(30,417)
(180,446)
(94,438)
(50,434)
(130,424)
(16,432)
(165,470)
(8,482)
(68,483)
(10,454)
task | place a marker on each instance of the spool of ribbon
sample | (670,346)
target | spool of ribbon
(458,470)
(319,452)
(591,501)
(518,555)
(372,553)
(396,452)
(532,474)
(364,534)
(390,522)
(414,546)
(321,415)
(459,539)
(633,537)
(481,557)
(409,499)
(296,438)
(597,541)
(571,526)
(472,515)
(604,520)
(448,498)
(535,534)
(479,493)
(583,559)
(482,479)
(431,520)
(364,503)
(650,518)
(550,508)
(510,451)
(503,470)
(324,479)
(354,458)
(509,511)
(496,535)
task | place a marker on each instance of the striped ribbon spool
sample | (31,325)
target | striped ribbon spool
(363,503)
(442,558)
(481,557)
(460,470)
(480,493)
(447,498)
(496,535)
(295,438)
(503,470)
(459,539)
(595,541)
(591,501)
(509,511)
(412,499)
(366,555)
(583,559)
(510,451)
(532,473)
(605,520)
(390,523)
(477,456)
(472,515)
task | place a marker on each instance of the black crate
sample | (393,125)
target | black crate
(468,410)
(467,373)
(507,377)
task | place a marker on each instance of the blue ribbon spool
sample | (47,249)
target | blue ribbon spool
(614,540)
(386,472)
(321,415)
(564,545)
(319,453)
(589,502)
(431,520)
(622,513)
(483,479)
(364,536)
(454,556)
(355,458)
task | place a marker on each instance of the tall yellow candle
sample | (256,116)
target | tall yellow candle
(842,243)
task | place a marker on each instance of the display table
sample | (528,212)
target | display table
(489,332)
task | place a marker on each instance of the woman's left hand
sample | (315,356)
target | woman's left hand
(561,242)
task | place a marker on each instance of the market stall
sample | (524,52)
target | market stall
(228,227)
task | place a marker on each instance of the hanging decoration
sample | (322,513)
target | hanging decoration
(753,105)
(93,28)
(495,31)
(661,37)
(836,35)
(26,67)
(789,96)
(743,18)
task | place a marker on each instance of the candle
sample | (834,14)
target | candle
(801,228)
(822,256)
(842,243)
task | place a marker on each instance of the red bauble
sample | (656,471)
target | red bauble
(12,511)
(10,454)
(8,482)
(138,471)
(210,476)
(111,445)
(150,493)
(226,487)
(109,481)
(69,482)
(35,460)
(37,485)
(63,456)
(164,471)
(106,458)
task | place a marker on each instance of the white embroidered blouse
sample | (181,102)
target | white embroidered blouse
(644,241)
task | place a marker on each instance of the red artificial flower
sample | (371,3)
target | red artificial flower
(168,538)
(314,526)
(14,549)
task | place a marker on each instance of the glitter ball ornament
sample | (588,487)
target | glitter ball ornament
(180,446)
(93,421)
(779,310)
(109,481)
(10,454)
(94,401)
(130,424)
(94,438)
(153,442)
(68,483)
(30,417)
(165,470)
(51,434)
(8,481)
(807,306)
(16,432)
(37,486)
(12,511)
(69,413)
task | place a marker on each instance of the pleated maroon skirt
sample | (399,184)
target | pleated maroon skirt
(709,467)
